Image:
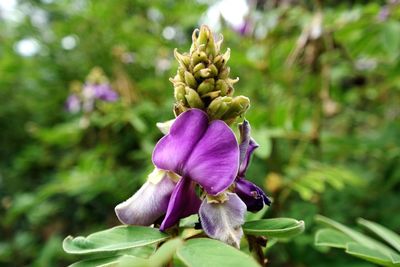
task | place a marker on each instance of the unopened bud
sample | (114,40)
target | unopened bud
(184,60)
(193,98)
(190,80)
(222,86)
(204,73)
(179,93)
(197,57)
(198,67)
(213,69)
(238,106)
(212,95)
(226,56)
(206,39)
(206,86)
(218,107)
(224,73)
(218,61)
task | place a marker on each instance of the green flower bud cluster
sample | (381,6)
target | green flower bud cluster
(96,76)
(202,80)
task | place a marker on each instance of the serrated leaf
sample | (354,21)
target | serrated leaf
(114,239)
(388,235)
(204,252)
(331,238)
(276,227)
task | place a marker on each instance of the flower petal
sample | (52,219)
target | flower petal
(247,147)
(183,202)
(105,92)
(165,126)
(172,151)
(253,196)
(223,221)
(214,161)
(146,205)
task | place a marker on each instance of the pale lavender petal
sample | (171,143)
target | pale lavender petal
(73,103)
(183,202)
(146,205)
(223,221)
(172,151)
(253,196)
(214,161)
(247,147)
(105,92)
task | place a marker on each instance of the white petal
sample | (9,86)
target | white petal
(165,126)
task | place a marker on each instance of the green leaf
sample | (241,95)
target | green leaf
(331,238)
(356,236)
(369,254)
(204,252)
(388,235)
(113,261)
(114,239)
(276,227)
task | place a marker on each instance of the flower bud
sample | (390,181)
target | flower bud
(198,67)
(179,93)
(226,56)
(212,95)
(222,86)
(224,73)
(204,73)
(218,107)
(213,70)
(193,98)
(206,38)
(218,61)
(190,80)
(198,56)
(238,106)
(206,86)
(184,60)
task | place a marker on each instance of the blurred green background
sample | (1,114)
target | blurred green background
(323,79)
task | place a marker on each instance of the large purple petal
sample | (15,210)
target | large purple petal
(183,202)
(146,205)
(173,150)
(214,161)
(252,195)
(247,147)
(223,221)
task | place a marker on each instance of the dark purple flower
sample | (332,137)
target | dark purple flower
(73,103)
(251,194)
(201,152)
(197,151)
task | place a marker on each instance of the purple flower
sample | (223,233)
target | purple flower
(105,92)
(251,194)
(198,152)
(73,103)
(102,91)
